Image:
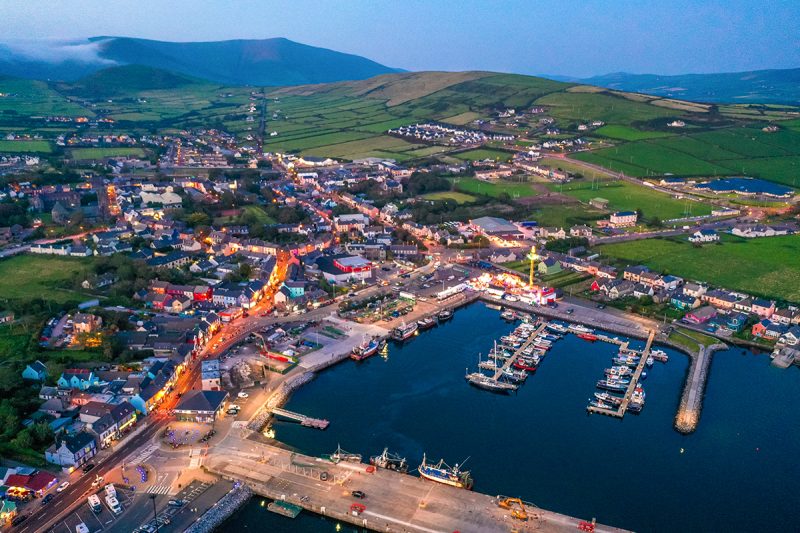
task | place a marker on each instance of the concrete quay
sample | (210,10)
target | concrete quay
(394,501)
(691,404)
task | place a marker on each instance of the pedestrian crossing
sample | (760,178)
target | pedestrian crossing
(142,454)
(159,489)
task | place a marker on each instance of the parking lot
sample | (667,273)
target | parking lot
(103,520)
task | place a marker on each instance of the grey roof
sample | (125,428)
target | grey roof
(202,401)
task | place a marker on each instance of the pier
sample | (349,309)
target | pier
(304,420)
(394,501)
(508,362)
(692,398)
(619,412)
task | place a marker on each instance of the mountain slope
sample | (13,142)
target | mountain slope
(760,86)
(127,79)
(238,62)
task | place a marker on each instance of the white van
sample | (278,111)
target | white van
(114,505)
(111,490)
(94,504)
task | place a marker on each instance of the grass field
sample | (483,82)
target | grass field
(480,154)
(35,276)
(601,106)
(100,153)
(459,197)
(730,151)
(258,214)
(627,133)
(475,186)
(564,216)
(764,267)
(36,146)
(625,196)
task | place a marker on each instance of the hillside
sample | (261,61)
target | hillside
(780,86)
(127,79)
(273,62)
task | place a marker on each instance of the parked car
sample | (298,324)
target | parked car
(87,467)
(243,395)
(358,494)
(176,503)
(47,499)
(63,486)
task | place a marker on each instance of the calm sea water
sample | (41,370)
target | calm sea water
(738,472)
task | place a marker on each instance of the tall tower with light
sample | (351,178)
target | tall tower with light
(532,258)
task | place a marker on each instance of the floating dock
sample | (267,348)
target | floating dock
(286,509)
(307,421)
(508,362)
(619,412)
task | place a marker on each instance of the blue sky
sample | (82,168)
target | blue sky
(567,37)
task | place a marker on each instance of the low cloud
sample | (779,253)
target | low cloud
(58,51)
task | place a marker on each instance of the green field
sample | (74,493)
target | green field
(731,151)
(35,146)
(578,106)
(765,267)
(476,186)
(627,133)
(626,196)
(101,153)
(459,197)
(25,277)
(258,214)
(564,216)
(480,154)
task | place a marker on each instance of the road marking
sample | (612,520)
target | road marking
(159,489)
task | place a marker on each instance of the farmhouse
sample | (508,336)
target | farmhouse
(704,235)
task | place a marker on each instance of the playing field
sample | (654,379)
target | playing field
(459,197)
(101,153)
(480,154)
(626,196)
(42,147)
(476,186)
(765,267)
(35,276)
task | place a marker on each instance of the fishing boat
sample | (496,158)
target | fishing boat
(579,328)
(612,385)
(482,381)
(488,365)
(444,315)
(508,315)
(659,355)
(389,461)
(608,398)
(448,475)
(556,327)
(426,323)
(404,331)
(591,337)
(650,361)
(524,364)
(618,371)
(515,376)
(341,455)
(600,404)
(625,360)
(368,348)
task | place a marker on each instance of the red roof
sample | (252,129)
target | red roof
(36,482)
(40,481)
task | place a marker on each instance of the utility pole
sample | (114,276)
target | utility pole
(155,512)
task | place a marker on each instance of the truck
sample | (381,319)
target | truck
(94,504)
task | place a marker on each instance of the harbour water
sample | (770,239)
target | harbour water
(738,472)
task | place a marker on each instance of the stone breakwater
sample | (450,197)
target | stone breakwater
(222,510)
(691,404)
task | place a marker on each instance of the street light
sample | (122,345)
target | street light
(155,512)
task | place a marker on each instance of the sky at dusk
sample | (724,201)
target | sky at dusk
(571,38)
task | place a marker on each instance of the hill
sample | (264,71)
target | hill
(127,79)
(780,86)
(272,62)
